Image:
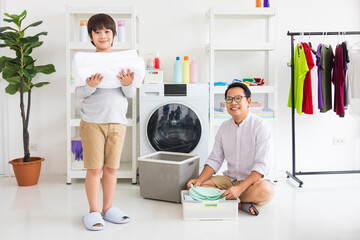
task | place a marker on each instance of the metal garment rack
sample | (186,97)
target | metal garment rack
(294,173)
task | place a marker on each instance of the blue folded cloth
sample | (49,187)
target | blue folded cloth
(219,83)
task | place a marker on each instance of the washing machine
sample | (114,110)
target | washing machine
(175,118)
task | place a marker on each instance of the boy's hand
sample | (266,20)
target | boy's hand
(94,80)
(125,78)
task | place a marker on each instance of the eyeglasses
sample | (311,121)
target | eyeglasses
(236,98)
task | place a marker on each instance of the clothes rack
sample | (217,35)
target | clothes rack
(294,173)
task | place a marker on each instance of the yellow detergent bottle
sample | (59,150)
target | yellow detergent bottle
(186,70)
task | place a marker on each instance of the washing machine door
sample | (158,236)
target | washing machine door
(174,127)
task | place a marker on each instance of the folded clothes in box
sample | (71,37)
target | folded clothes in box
(208,210)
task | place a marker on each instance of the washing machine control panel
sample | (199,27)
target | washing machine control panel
(174,89)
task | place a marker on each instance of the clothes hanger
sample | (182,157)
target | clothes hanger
(299,40)
(310,45)
(325,40)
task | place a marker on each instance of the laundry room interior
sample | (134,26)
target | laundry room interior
(299,60)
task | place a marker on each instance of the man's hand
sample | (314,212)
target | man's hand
(94,80)
(125,78)
(196,182)
(233,192)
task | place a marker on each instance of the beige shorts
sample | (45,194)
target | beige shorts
(223,182)
(102,144)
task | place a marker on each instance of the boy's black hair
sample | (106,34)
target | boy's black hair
(100,21)
(241,85)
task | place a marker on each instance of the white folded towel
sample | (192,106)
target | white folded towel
(108,65)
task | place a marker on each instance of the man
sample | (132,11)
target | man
(245,142)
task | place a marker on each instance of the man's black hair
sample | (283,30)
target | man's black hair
(241,85)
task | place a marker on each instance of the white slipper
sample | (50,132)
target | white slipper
(91,219)
(116,215)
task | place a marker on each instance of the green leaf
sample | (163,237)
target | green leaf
(14,35)
(28,49)
(12,89)
(3,61)
(33,25)
(13,80)
(29,40)
(16,18)
(8,73)
(40,84)
(27,60)
(8,20)
(14,67)
(41,33)
(22,16)
(46,69)
(7,28)
(6,36)
(13,44)
(30,73)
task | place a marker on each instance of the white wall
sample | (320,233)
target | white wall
(177,28)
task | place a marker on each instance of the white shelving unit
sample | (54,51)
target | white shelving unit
(128,167)
(241,45)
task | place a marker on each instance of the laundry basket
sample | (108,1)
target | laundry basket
(163,175)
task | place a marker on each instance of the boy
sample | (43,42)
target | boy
(102,129)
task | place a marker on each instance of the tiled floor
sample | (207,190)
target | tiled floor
(327,207)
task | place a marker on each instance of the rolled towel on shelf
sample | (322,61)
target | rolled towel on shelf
(108,65)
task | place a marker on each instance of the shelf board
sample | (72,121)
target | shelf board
(241,47)
(254,13)
(75,122)
(253,89)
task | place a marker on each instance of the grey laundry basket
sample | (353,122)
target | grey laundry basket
(163,175)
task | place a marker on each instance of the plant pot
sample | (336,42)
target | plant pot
(27,173)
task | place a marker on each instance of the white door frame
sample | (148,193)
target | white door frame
(4,141)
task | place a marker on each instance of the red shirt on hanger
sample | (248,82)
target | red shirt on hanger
(307,105)
(338,80)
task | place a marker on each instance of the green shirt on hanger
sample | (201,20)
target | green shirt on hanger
(300,70)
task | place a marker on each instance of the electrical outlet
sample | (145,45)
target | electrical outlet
(33,147)
(338,141)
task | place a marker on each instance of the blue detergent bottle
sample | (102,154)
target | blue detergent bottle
(178,71)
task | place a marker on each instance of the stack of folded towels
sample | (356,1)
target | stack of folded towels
(205,193)
(108,65)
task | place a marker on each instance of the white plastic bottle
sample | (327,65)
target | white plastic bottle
(186,71)
(150,61)
(177,71)
(121,30)
(83,31)
(193,71)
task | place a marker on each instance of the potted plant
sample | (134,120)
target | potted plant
(19,71)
